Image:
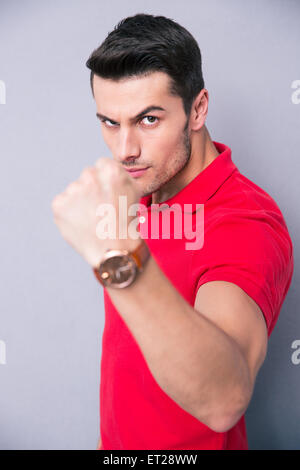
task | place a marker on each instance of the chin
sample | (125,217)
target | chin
(146,193)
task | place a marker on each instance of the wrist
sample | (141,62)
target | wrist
(120,265)
(129,245)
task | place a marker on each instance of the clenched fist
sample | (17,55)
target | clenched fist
(78,210)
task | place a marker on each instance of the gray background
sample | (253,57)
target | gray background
(51,306)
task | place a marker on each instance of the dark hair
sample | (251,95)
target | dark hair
(144,43)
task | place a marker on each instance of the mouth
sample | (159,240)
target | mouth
(135,172)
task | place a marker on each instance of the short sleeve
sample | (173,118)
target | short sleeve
(253,254)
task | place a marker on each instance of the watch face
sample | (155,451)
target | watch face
(119,270)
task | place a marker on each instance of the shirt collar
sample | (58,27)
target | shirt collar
(205,184)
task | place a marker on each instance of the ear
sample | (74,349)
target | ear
(199,110)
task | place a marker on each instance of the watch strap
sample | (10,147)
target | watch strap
(140,255)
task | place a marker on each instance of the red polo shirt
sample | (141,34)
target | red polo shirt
(245,241)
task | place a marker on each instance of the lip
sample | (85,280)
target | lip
(137,172)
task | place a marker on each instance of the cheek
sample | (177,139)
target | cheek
(161,144)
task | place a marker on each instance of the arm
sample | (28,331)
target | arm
(205,358)
(99,444)
(206,365)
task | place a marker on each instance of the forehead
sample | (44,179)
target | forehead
(132,92)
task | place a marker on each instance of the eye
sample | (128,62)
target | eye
(106,121)
(112,124)
(150,117)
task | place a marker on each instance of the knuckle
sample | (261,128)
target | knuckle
(72,187)
(56,203)
(87,171)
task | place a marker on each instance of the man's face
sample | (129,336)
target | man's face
(157,139)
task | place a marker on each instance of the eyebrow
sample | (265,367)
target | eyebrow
(135,118)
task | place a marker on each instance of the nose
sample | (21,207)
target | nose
(128,149)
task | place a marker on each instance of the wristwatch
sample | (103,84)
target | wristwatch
(120,268)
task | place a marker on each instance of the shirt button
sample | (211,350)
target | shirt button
(142,219)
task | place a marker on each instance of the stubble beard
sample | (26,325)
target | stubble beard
(181,160)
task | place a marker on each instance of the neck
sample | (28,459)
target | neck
(203,152)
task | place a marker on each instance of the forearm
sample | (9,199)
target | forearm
(99,444)
(194,362)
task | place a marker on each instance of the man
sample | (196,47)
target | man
(186,323)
